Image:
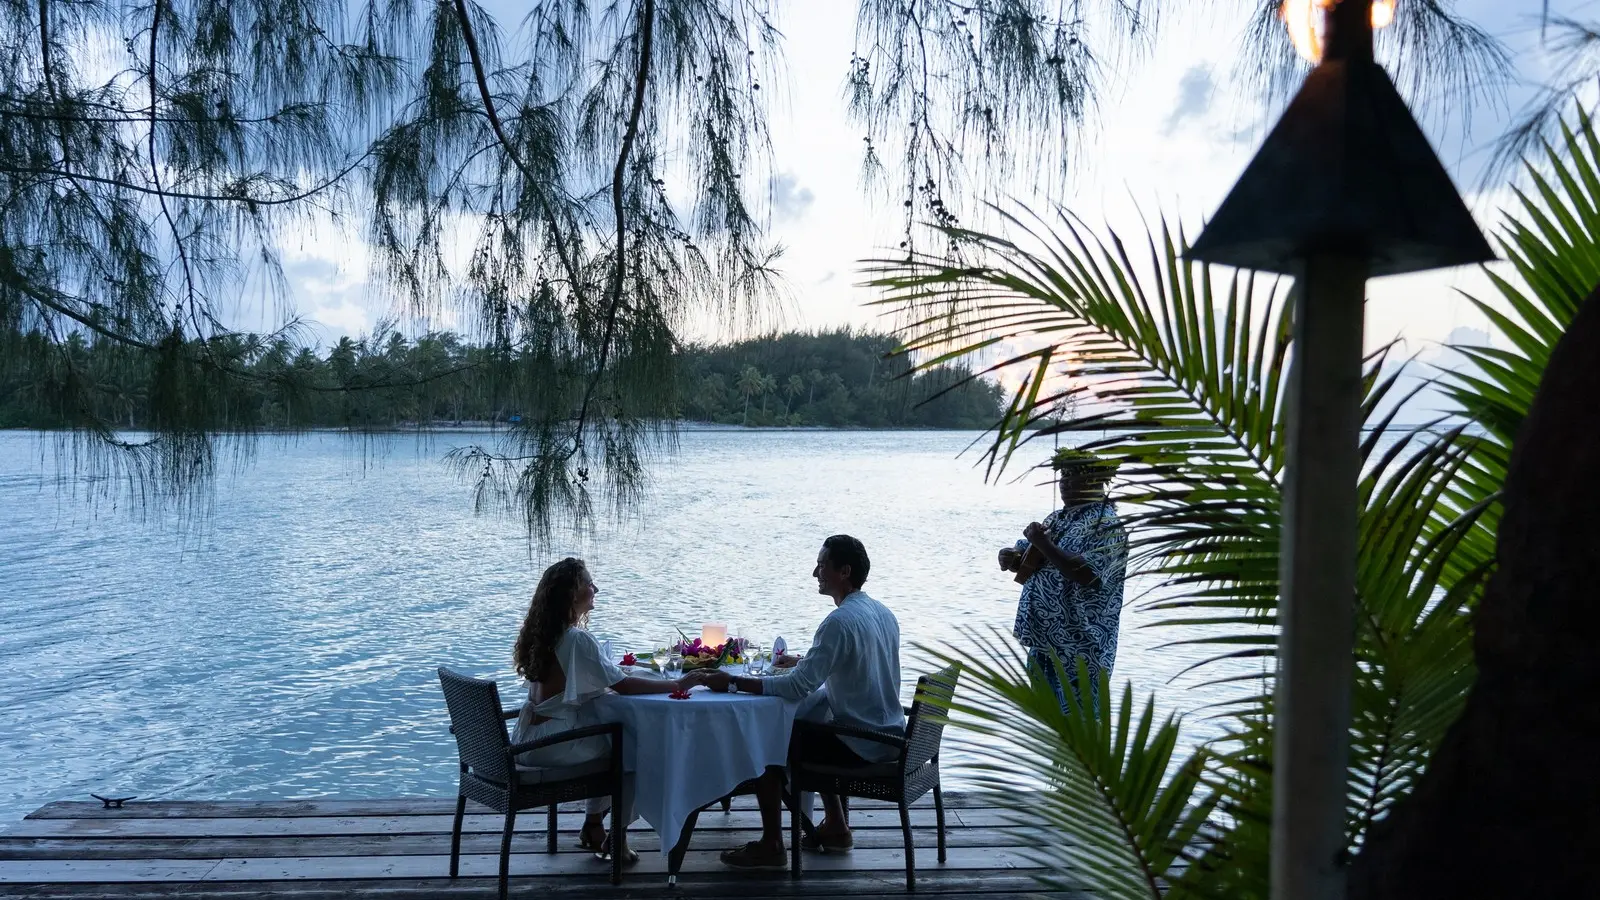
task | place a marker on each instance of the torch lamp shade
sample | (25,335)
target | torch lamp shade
(713,634)
(1346,170)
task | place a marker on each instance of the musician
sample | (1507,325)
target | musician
(1073,597)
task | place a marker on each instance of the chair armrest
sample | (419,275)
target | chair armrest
(895,741)
(610,729)
(507,714)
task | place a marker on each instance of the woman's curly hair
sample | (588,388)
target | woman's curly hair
(549,617)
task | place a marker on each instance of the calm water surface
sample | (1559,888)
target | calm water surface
(287,648)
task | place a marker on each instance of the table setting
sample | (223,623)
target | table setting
(687,750)
(714,648)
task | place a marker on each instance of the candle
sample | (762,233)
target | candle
(713,634)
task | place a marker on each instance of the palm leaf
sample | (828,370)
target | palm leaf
(1122,813)
(1191,380)
(1552,242)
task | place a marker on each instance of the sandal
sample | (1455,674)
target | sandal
(587,836)
(629,855)
(819,844)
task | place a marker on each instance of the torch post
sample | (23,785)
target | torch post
(1317,572)
(1345,187)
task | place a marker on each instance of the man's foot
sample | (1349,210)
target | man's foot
(829,839)
(756,856)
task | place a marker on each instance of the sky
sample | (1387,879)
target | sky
(1173,131)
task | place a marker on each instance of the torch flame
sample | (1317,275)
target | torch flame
(1304,20)
(1382,14)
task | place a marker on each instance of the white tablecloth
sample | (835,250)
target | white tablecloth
(687,753)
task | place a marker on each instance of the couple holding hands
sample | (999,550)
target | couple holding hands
(855,653)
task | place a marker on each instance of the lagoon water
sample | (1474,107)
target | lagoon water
(286,645)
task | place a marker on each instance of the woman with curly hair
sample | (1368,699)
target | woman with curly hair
(565,670)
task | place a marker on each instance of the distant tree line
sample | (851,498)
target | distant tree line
(837,378)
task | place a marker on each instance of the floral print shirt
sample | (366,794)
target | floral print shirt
(1077,619)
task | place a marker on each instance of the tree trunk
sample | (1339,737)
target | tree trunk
(1508,805)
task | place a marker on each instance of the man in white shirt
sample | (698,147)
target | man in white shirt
(856,653)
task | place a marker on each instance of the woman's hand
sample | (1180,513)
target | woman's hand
(714,679)
(695,678)
(1009,559)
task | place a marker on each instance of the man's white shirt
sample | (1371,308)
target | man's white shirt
(856,653)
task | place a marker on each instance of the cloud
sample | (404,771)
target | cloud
(790,200)
(329,293)
(1475,337)
(1195,90)
(1444,356)
(346,319)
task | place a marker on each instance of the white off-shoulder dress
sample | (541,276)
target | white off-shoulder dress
(589,675)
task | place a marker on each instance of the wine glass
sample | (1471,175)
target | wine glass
(752,658)
(660,657)
(674,664)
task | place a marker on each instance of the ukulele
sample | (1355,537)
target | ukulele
(1033,560)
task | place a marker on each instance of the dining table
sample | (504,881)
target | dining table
(687,754)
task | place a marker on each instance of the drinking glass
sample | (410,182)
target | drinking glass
(661,657)
(752,658)
(674,664)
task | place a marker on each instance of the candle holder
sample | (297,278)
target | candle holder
(713,634)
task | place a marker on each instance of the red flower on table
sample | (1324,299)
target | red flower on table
(630,660)
(680,695)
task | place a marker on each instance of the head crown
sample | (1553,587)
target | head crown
(1075,462)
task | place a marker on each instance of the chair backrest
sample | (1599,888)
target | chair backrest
(930,712)
(476,719)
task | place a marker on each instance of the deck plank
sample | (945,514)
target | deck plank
(960,885)
(642,839)
(564,865)
(483,865)
(531,821)
(27,871)
(400,806)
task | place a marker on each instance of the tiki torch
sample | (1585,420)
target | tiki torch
(1345,188)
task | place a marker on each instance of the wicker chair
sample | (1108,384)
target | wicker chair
(491,776)
(902,781)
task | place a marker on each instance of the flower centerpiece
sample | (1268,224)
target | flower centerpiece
(699,655)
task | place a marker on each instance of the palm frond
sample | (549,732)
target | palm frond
(1123,814)
(1188,370)
(1190,382)
(1551,239)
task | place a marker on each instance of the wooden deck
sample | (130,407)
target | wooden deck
(400,849)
